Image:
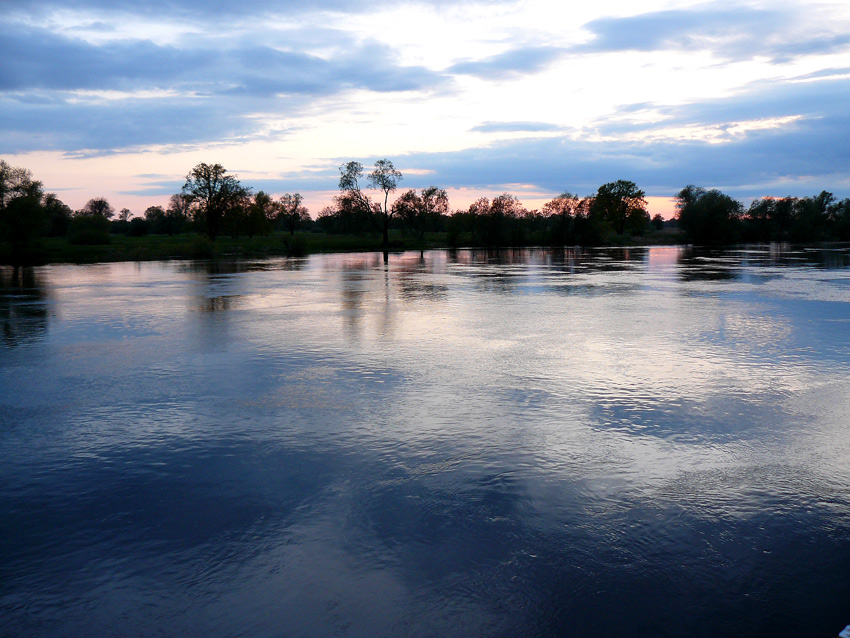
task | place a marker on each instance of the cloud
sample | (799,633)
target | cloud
(808,154)
(41,59)
(731,33)
(515,127)
(211,11)
(86,128)
(45,60)
(521,60)
(763,100)
(69,94)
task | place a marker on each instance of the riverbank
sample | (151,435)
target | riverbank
(193,246)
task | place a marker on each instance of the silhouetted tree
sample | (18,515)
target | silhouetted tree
(708,217)
(417,211)
(178,213)
(88,230)
(236,216)
(138,227)
(58,215)
(22,216)
(811,218)
(214,192)
(97,207)
(622,204)
(657,222)
(759,220)
(477,210)
(561,211)
(156,218)
(125,214)
(261,214)
(839,219)
(384,178)
(292,214)
(503,223)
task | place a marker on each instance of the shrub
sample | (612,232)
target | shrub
(88,230)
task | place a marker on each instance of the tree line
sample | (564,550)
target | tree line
(709,217)
(617,209)
(214,202)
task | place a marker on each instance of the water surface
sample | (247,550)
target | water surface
(565,443)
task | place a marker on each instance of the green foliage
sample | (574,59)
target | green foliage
(138,227)
(214,201)
(418,213)
(89,230)
(57,216)
(215,193)
(708,217)
(622,205)
(201,248)
(260,215)
(97,207)
(22,216)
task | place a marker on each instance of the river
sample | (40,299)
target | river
(646,441)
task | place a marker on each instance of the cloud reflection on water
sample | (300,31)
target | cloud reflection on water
(535,442)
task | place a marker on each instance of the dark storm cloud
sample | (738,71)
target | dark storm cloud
(731,32)
(517,61)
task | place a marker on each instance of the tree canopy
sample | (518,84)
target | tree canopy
(214,192)
(708,216)
(384,178)
(623,205)
(22,215)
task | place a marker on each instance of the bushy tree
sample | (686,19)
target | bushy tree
(97,207)
(708,217)
(417,211)
(344,216)
(236,216)
(261,214)
(623,205)
(58,215)
(22,216)
(88,230)
(561,212)
(214,194)
(838,219)
(157,220)
(503,223)
(138,227)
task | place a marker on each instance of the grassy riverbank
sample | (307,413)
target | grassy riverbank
(194,246)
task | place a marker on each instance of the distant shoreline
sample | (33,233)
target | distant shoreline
(195,246)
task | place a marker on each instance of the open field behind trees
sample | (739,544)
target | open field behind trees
(214,215)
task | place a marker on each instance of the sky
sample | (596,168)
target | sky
(120,98)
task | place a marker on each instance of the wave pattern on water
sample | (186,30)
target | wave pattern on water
(529,442)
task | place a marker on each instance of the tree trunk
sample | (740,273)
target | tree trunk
(386,233)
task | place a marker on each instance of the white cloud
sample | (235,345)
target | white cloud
(480,94)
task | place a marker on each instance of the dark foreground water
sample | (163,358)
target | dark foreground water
(651,442)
